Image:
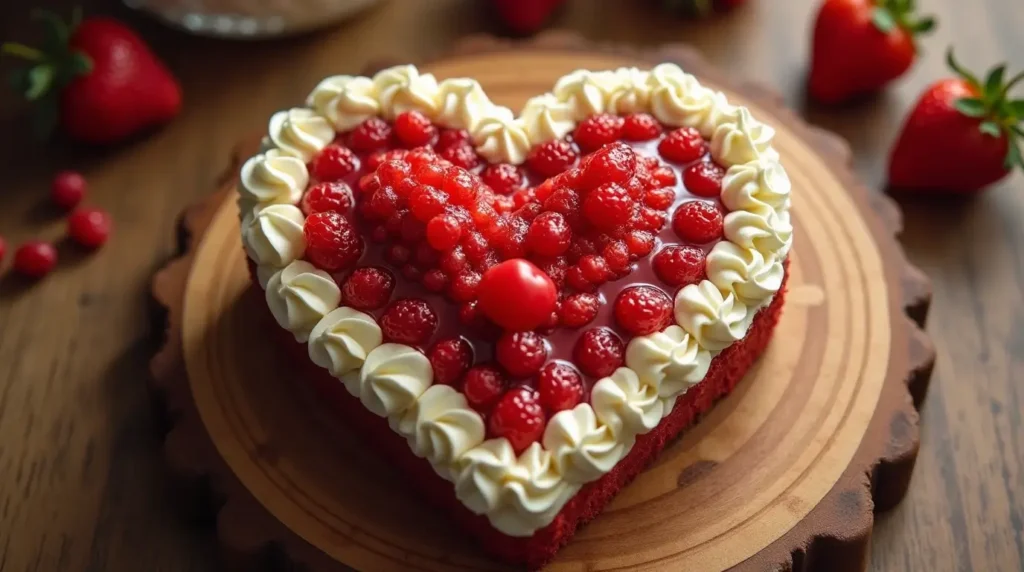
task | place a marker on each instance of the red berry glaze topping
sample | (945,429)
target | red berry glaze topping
(368,288)
(704,179)
(370,135)
(679,265)
(68,189)
(518,417)
(521,353)
(698,222)
(408,321)
(332,243)
(560,387)
(414,129)
(483,386)
(35,259)
(549,234)
(683,145)
(89,227)
(597,130)
(579,310)
(503,178)
(552,158)
(640,127)
(334,163)
(517,295)
(450,359)
(598,352)
(642,310)
(329,196)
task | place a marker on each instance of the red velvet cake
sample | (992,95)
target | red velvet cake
(519,312)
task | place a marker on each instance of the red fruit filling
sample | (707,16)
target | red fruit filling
(560,387)
(521,353)
(683,145)
(518,417)
(332,243)
(640,127)
(502,178)
(598,352)
(699,222)
(450,359)
(679,265)
(334,163)
(368,288)
(370,135)
(552,158)
(704,179)
(598,130)
(642,310)
(414,129)
(483,386)
(579,310)
(408,321)
(329,196)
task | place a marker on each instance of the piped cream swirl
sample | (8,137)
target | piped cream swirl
(341,340)
(272,178)
(670,361)
(299,296)
(391,379)
(715,320)
(300,132)
(273,235)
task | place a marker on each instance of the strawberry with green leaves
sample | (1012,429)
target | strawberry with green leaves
(860,46)
(96,79)
(962,136)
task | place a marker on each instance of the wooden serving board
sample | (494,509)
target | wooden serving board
(783,473)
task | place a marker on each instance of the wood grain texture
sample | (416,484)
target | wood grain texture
(81,480)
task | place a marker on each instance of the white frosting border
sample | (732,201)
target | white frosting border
(521,494)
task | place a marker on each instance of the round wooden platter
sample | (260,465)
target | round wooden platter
(783,473)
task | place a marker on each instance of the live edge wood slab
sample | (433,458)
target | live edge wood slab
(785,473)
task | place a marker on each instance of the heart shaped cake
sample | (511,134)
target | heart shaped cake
(519,312)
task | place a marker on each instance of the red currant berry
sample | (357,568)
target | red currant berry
(443,232)
(450,359)
(483,386)
(552,158)
(608,206)
(89,227)
(704,179)
(453,261)
(560,387)
(465,286)
(35,259)
(370,135)
(679,265)
(461,155)
(518,417)
(408,321)
(334,163)
(336,197)
(642,310)
(640,127)
(68,189)
(503,178)
(332,243)
(598,352)
(549,234)
(368,288)
(574,278)
(517,295)
(579,309)
(521,353)
(449,137)
(414,129)
(683,145)
(598,130)
(698,222)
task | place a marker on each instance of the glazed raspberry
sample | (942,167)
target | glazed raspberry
(683,145)
(560,387)
(411,229)
(89,227)
(679,265)
(483,386)
(663,177)
(392,173)
(642,310)
(460,186)
(465,285)
(426,202)
(566,202)
(579,310)
(660,199)
(698,222)
(640,127)
(608,206)
(640,243)
(332,243)
(398,254)
(614,163)
(517,295)
(598,130)
(334,163)
(368,288)
(552,158)
(449,137)
(370,135)
(616,254)
(443,232)
(408,321)
(381,205)
(413,129)
(510,239)
(337,197)
(503,178)
(435,280)
(574,278)
(35,259)
(651,220)
(704,179)
(598,352)
(453,261)
(549,234)
(518,417)
(476,247)
(68,189)
(461,155)
(521,353)
(450,359)
(595,269)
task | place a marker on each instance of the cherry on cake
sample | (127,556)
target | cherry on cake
(519,312)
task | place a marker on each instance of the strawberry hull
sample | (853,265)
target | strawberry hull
(726,371)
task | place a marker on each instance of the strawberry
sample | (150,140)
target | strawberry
(700,8)
(525,16)
(861,45)
(97,79)
(961,136)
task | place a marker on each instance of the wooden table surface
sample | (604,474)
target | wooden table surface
(82,484)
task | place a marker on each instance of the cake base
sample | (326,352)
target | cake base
(782,473)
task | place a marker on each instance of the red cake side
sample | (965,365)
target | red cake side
(534,551)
